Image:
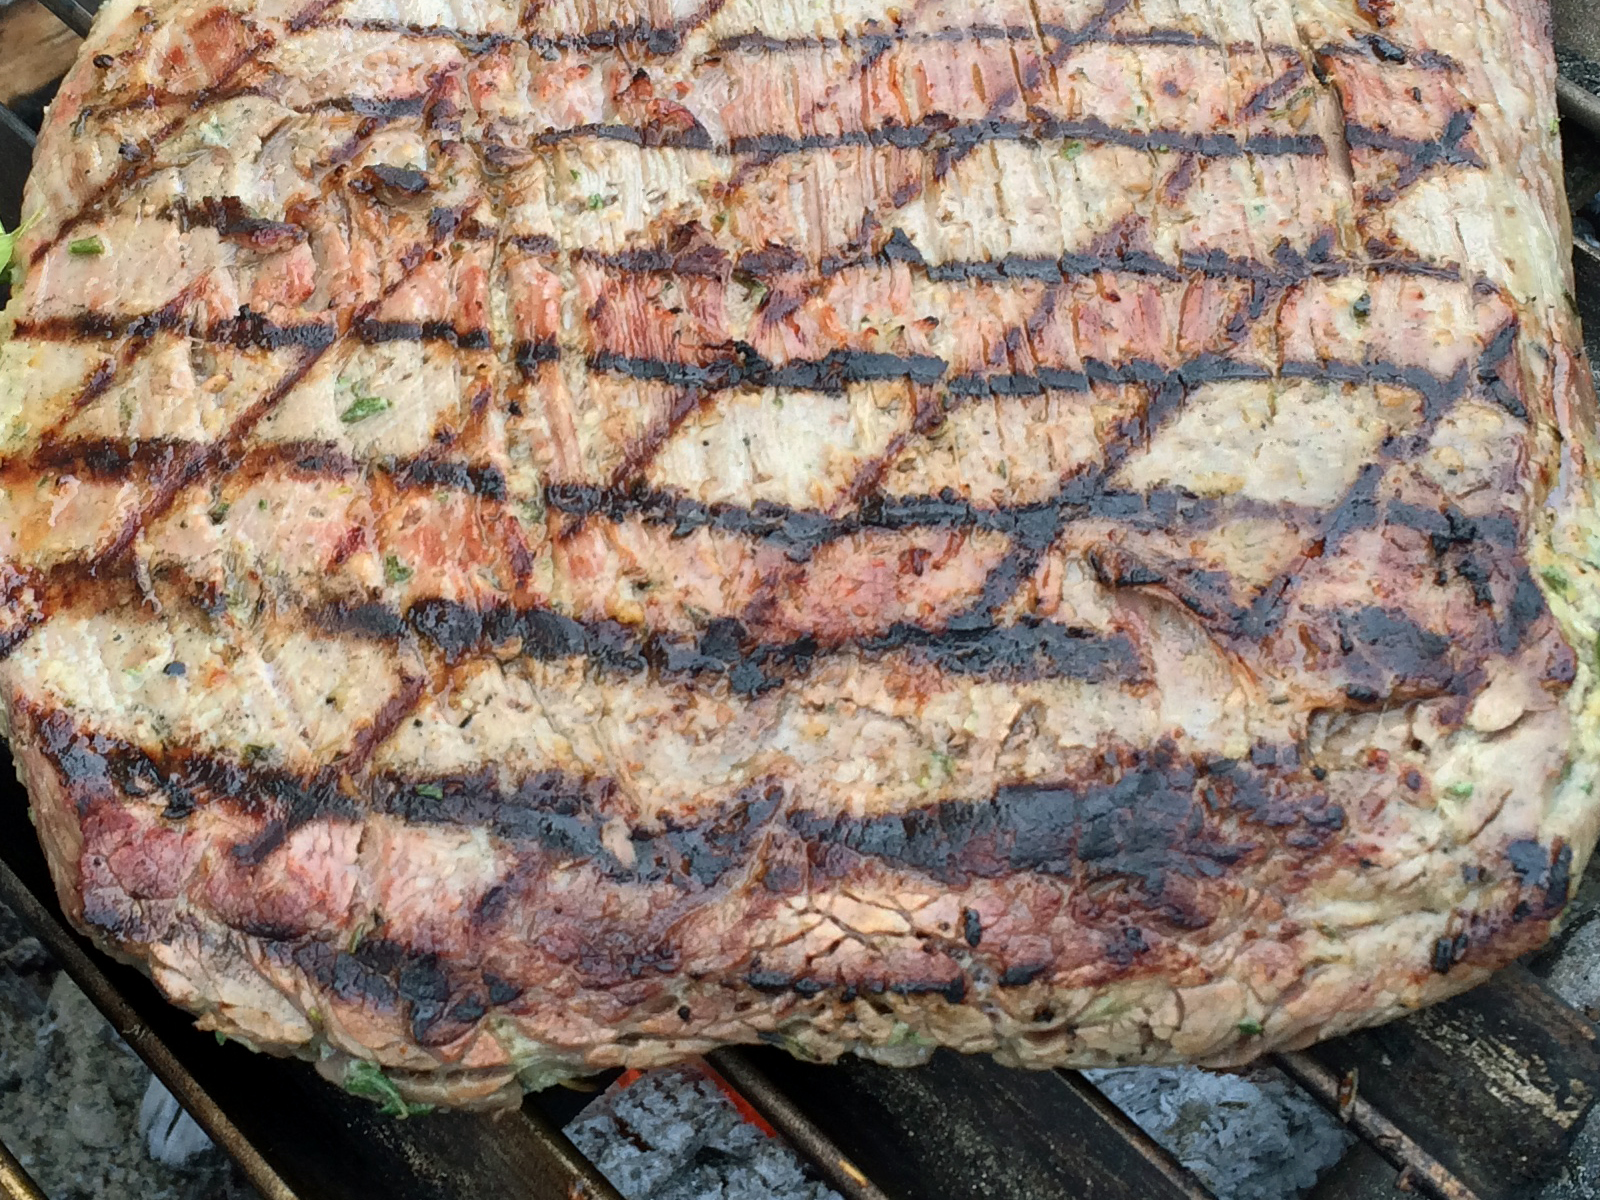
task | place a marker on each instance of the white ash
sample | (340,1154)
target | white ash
(673,1135)
(1250,1136)
(170,1134)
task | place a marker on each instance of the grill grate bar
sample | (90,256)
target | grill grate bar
(86,973)
(804,1135)
(1427,1175)
(74,14)
(15,1183)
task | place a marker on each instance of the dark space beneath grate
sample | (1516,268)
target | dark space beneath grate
(1479,1097)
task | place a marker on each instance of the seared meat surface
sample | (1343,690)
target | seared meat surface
(539,537)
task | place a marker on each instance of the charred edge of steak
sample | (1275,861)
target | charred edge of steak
(1124,811)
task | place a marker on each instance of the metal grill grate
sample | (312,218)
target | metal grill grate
(1477,1099)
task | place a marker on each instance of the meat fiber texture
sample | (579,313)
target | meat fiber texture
(546,537)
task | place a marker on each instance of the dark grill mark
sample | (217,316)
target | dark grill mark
(1029,649)
(1537,866)
(229,217)
(473,478)
(528,356)
(375,332)
(1386,50)
(829,374)
(941,136)
(201,461)
(386,108)
(1137,814)
(802,532)
(873,42)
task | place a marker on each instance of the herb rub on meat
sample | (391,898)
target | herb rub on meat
(541,537)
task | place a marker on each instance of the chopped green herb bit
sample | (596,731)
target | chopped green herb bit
(1250,1027)
(1072,149)
(222,1038)
(1362,308)
(363,407)
(1556,578)
(218,512)
(367,1080)
(596,201)
(431,790)
(395,571)
(86,247)
(8,241)
(1459,790)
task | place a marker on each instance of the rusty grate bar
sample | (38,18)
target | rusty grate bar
(15,1183)
(786,1117)
(74,14)
(1425,1173)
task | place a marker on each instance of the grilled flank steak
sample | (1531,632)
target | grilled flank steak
(546,538)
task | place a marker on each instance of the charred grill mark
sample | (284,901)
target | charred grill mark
(1203,369)
(828,374)
(1420,157)
(233,222)
(1134,815)
(1547,869)
(1138,814)
(842,367)
(1272,93)
(953,139)
(248,330)
(1392,657)
(104,198)
(1030,649)
(1438,394)
(197,461)
(411,692)
(566,816)
(663,41)
(1357,509)
(636,460)
(384,108)
(529,356)
(137,338)
(112,458)
(374,332)
(1385,50)
(875,40)
(473,478)
(801,532)
(1489,371)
